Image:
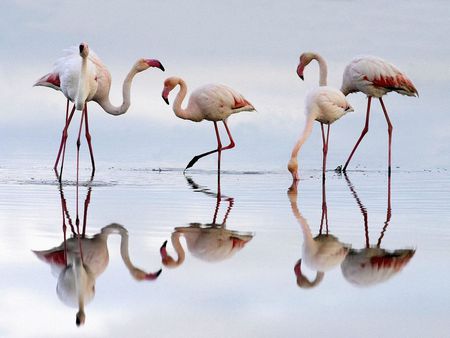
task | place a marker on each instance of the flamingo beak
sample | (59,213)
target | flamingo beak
(163,250)
(155,63)
(165,94)
(300,69)
(153,276)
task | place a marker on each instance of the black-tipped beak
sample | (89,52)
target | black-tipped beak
(165,99)
(161,67)
(301,77)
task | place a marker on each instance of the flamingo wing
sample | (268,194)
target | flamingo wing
(375,77)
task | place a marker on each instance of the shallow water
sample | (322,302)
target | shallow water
(237,278)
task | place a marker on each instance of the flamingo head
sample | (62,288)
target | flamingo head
(169,84)
(293,168)
(167,260)
(84,49)
(144,64)
(305,59)
(302,280)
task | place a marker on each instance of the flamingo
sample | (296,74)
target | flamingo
(78,262)
(322,252)
(375,77)
(372,264)
(82,77)
(210,242)
(323,104)
(212,102)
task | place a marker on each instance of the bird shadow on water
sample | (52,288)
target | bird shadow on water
(210,242)
(363,267)
(80,259)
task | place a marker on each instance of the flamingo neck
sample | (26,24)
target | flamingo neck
(83,83)
(307,235)
(304,136)
(323,70)
(126,100)
(178,248)
(184,114)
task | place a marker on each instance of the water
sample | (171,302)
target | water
(237,278)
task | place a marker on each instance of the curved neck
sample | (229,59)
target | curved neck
(126,101)
(178,248)
(323,70)
(180,112)
(304,136)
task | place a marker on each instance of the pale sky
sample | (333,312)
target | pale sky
(253,46)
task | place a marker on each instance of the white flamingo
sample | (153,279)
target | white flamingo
(82,77)
(78,262)
(323,104)
(375,77)
(212,102)
(321,253)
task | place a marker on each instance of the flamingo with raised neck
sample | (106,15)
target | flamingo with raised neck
(82,77)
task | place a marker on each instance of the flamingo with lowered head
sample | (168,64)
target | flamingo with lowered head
(375,77)
(212,102)
(82,77)
(323,104)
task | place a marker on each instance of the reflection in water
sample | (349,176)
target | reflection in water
(320,253)
(373,264)
(79,260)
(210,242)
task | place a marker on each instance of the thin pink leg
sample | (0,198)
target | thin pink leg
(62,146)
(78,148)
(88,138)
(232,144)
(197,157)
(389,132)
(325,147)
(364,132)
(219,146)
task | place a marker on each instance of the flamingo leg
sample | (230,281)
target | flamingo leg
(62,146)
(325,147)
(389,132)
(86,206)
(78,150)
(232,144)
(364,132)
(88,138)
(219,149)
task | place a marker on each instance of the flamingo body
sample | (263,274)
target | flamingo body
(216,102)
(326,104)
(375,77)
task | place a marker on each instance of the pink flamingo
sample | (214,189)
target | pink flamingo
(375,77)
(324,104)
(82,77)
(212,102)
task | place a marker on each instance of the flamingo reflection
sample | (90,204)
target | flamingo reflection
(320,253)
(373,264)
(79,260)
(210,242)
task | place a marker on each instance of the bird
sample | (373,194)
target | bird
(375,77)
(211,242)
(324,104)
(79,261)
(212,102)
(373,264)
(82,77)
(321,253)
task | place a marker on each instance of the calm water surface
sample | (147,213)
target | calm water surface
(376,265)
